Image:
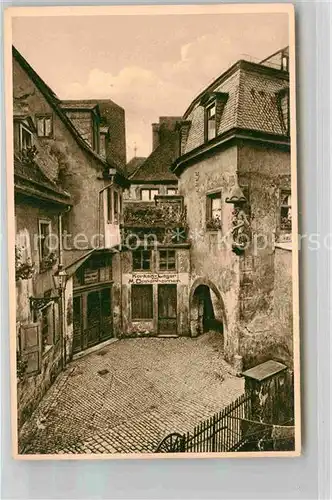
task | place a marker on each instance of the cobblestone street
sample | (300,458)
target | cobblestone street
(129,395)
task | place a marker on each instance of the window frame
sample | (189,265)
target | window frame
(44,117)
(24,128)
(50,311)
(167,260)
(142,260)
(149,190)
(49,224)
(282,193)
(136,287)
(208,216)
(208,119)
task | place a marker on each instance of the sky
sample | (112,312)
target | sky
(150,65)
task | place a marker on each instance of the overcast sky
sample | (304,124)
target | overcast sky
(150,65)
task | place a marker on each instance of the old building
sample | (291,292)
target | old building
(69,178)
(153,176)
(155,257)
(234,174)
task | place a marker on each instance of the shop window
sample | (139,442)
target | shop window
(142,302)
(44,238)
(44,126)
(167,260)
(149,194)
(285,210)
(213,211)
(141,260)
(210,122)
(172,191)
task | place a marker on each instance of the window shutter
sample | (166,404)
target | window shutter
(32,347)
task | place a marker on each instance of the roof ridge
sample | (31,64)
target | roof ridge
(55,103)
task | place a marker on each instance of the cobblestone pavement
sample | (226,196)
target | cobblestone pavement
(128,396)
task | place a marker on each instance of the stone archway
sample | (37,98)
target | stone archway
(207,311)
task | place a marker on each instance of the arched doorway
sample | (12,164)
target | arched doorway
(206,308)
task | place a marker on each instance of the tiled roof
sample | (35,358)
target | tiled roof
(55,102)
(252,102)
(134,163)
(31,179)
(157,166)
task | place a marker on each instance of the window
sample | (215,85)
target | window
(172,191)
(26,139)
(44,126)
(44,238)
(109,205)
(285,210)
(284,106)
(142,302)
(47,326)
(116,207)
(141,260)
(211,129)
(213,210)
(167,260)
(149,194)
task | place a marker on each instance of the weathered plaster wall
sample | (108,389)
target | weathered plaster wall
(30,389)
(265,172)
(210,254)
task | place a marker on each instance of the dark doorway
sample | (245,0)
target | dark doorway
(92,318)
(167,309)
(202,312)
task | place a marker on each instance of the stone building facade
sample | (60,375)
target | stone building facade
(152,175)
(68,201)
(234,174)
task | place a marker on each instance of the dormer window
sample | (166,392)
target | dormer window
(283,99)
(214,104)
(211,129)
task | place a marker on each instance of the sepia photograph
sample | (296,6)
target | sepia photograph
(152,226)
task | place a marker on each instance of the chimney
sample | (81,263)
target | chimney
(155,135)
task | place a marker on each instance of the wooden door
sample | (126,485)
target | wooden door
(93,318)
(167,309)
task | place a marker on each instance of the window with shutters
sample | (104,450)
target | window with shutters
(167,260)
(44,125)
(142,302)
